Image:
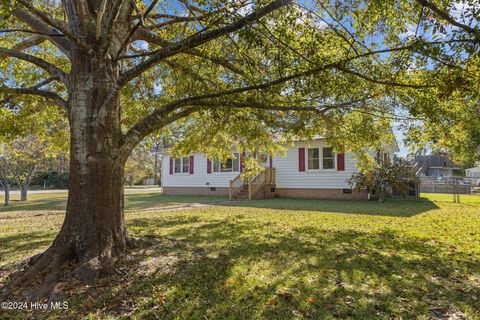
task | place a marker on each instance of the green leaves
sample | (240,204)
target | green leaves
(386,177)
(6,7)
(356,93)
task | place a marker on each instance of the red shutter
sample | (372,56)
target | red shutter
(191,165)
(301,159)
(209,166)
(171,165)
(341,162)
(241,162)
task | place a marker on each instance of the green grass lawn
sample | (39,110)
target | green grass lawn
(277,259)
(467,198)
(134,199)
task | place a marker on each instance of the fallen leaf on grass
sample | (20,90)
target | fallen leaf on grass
(311,300)
(272,302)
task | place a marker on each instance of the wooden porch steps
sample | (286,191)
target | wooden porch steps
(254,188)
(242,194)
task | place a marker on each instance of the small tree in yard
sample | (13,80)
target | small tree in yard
(139,165)
(28,162)
(384,178)
(7,177)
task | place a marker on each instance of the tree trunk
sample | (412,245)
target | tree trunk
(155,169)
(93,231)
(94,227)
(23,193)
(7,194)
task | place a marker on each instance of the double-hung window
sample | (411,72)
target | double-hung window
(313,159)
(230,165)
(328,158)
(182,165)
(320,158)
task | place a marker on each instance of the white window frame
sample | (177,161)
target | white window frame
(182,160)
(175,165)
(334,158)
(219,165)
(319,159)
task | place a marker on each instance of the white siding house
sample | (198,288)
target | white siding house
(307,170)
(473,172)
(197,177)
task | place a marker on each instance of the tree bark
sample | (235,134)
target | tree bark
(93,232)
(23,193)
(94,229)
(155,169)
(7,194)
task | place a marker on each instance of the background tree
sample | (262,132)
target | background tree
(28,161)
(243,75)
(7,176)
(140,164)
(157,145)
(33,139)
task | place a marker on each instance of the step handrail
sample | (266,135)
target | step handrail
(255,184)
(235,186)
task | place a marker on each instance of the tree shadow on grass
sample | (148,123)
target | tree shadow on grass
(36,205)
(133,201)
(21,245)
(398,208)
(252,270)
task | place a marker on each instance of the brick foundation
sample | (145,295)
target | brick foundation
(302,193)
(195,191)
(306,193)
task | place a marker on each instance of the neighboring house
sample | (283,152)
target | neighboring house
(473,173)
(435,165)
(307,170)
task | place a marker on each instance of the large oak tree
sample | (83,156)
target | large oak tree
(218,73)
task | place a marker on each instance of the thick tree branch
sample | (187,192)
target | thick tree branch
(156,121)
(50,96)
(37,86)
(100,13)
(446,16)
(319,110)
(134,136)
(114,13)
(50,68)
(34,41)
(46,19)
(31,32)
(144,35)
(158,16)
(197,40)
(39,26)
(132,31)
